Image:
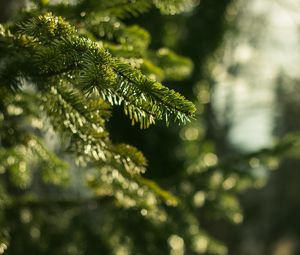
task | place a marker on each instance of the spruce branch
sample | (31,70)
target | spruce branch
(144,99)
(75,77)
(70,114)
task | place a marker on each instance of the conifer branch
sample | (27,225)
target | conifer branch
(115,80)
(71,114)
(74,78)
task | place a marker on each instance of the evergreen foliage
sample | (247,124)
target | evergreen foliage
(76,79)
(64,66)
(65,76)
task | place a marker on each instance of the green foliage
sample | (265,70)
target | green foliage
(59,80)
(64,67)
(74,79)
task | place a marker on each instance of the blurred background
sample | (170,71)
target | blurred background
(245,84)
